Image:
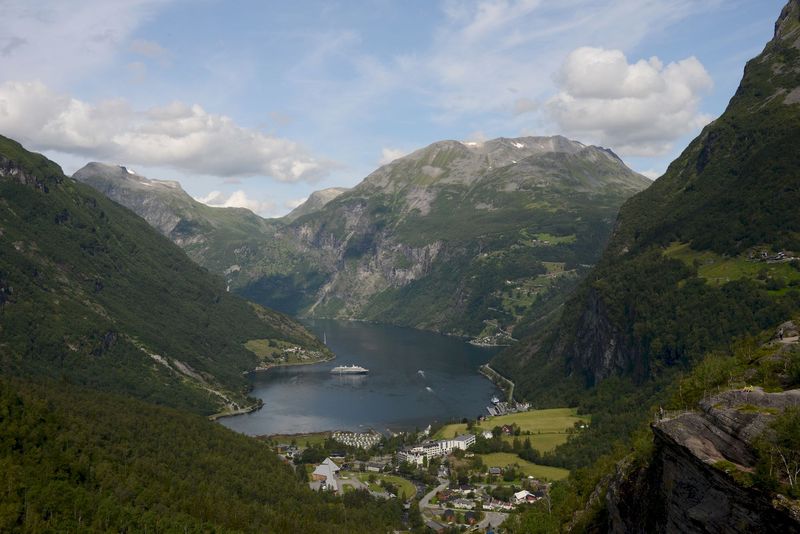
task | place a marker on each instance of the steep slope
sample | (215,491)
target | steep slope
(315,202)
(89,293)
(458,237)
(704,255)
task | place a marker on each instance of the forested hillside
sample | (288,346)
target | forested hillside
(91,294)
(706,254)
(77,460)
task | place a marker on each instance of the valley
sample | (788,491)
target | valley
(480,241)
(452,330)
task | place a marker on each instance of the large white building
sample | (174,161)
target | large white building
(434,449)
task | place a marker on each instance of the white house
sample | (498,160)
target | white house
(524,496)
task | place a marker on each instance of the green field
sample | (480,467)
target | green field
(283,353)
(505,459)
(404,486)
(555,239)
(302,440)
(721,269)
(548,428)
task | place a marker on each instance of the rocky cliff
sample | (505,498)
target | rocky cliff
(698,480)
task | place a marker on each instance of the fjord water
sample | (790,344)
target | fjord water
(415,378)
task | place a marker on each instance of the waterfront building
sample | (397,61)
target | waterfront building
(433,449)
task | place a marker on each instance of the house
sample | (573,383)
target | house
(326,474)
(496,504)
(444,495)
(463,504)
(448,516)
(496,471)
(434,526)
(487,434)
(470,518)
(522,496)
(507,430)
(375,467)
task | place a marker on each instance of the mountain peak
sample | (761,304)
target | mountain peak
(464,162)
(788,23)
(315,202)
(120,174)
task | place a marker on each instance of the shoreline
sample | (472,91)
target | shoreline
(260,404)
(273,365)
(240,411)
(496,377)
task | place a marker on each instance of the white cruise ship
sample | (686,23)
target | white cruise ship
(349,370)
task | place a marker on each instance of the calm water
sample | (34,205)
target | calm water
(415,378)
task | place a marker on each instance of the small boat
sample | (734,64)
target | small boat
(349,370)
(495,400)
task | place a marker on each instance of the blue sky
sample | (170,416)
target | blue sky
(258,103)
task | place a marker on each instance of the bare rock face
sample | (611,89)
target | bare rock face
(687,489)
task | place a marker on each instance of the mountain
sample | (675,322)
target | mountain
(466,238)
(208,235)
(702,256)
(90,294)
(101,320)
(315,202)
(678,344)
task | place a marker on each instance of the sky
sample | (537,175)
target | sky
(258,103)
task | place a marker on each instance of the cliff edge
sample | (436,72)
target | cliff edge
(699,478)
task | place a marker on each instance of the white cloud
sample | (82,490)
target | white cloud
(59,41)
(498,55)
(178,135)
(639,109)
(388,155)
(237,199)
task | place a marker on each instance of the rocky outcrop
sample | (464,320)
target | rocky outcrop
(598,349)
(693,484)
(13,171)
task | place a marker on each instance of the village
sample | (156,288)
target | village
(468,475)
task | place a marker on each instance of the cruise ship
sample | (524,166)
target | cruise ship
(349,370)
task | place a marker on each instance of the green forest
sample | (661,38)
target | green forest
(74,459)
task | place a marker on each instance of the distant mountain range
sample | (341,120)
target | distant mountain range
(466,238)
